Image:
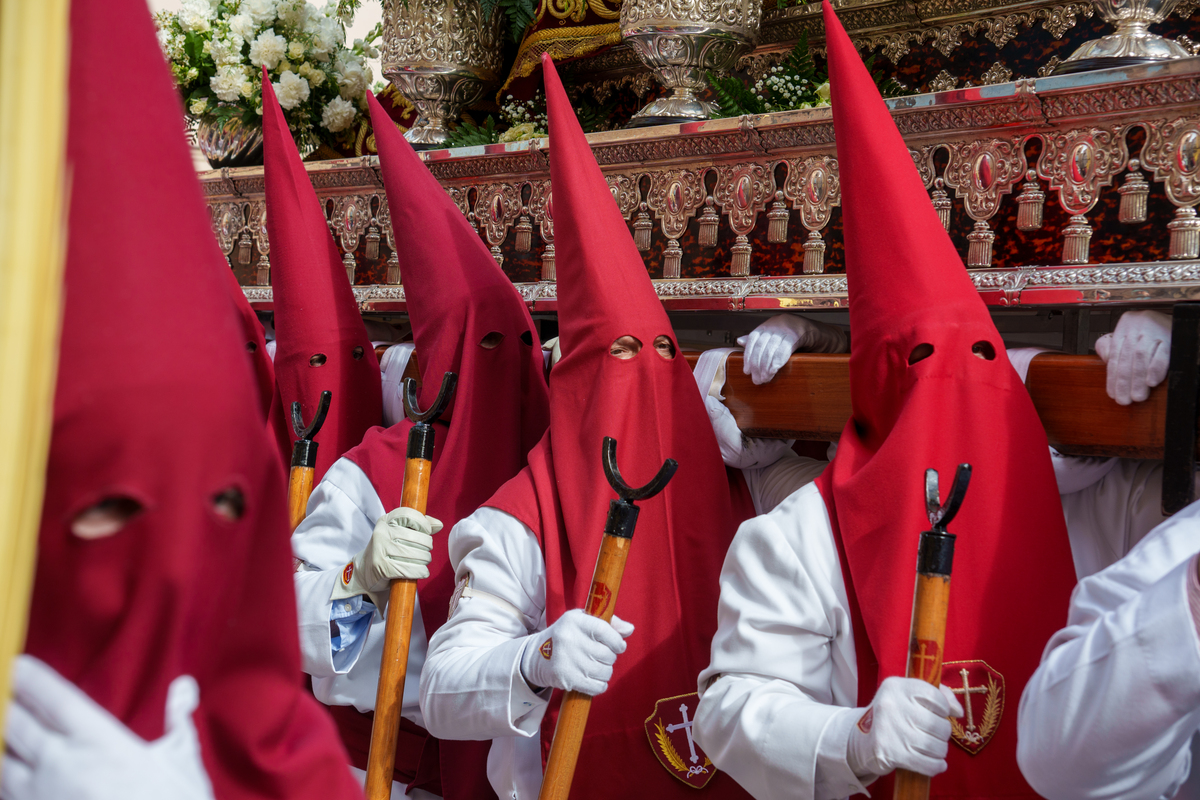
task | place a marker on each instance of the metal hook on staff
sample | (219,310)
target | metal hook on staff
(602,600)
(397,634)
(304,458)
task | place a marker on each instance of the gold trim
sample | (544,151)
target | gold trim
(561,44)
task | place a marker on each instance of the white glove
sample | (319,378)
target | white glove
(401,546)
(738,451)
(62,744)
(905,727)
(576,653)
(1138,353)
(770,345)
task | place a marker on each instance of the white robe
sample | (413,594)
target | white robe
(1113,708)
(777,701)
(341,515)
(471,687)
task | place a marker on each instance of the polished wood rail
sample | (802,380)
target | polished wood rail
(810,399)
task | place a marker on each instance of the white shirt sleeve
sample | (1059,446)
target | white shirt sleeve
(341,516)
(472,687)
(1112,709)
(778,698)
(769,486)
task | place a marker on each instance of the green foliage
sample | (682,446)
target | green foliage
(792,84)
(888,87)
(517,13)
(468,134)
(593,116)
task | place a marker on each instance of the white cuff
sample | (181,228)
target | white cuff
(525,707)
(834,777)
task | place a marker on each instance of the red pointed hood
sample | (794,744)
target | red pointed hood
(649,404)
(168,425)
(961,403)
(322,342)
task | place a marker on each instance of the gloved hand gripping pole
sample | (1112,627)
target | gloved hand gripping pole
(304,459)
(602,600)
(931,602)
(402,596)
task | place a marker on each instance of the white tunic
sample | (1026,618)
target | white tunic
(342,512)
(471,687)
(777,701)
(1112,709)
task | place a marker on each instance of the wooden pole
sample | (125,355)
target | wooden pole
(602,601)
(303,471)
(573,714)
(402,599)
(931,602)
(34,59)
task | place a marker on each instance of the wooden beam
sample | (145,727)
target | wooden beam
(810,399)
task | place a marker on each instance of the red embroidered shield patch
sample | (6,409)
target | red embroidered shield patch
(980,689)
(599,599)
(347,574)
(669,730)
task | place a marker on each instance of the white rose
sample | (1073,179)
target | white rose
(261,11)
(295,12)
(247,89)
(243,26)
(227,84)
(268,49)
(295,50)
(823,93)
(327,34)
(292,90)
(338,114)
(198,107)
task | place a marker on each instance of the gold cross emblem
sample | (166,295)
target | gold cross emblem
(966,691)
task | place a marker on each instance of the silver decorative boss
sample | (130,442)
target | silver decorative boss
(681,40)
(1132,43)
(440,54)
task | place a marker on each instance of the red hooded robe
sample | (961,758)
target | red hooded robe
(468,319)
(166,427)
(963,403)
(322,343)
(651,407)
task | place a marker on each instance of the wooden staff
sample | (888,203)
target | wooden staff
(602,600)
(389,694)
(931,601)
(304,459)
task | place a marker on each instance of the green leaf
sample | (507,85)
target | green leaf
(468,134)
(734,98)
(519,13)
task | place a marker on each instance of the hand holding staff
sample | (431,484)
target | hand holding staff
(389,695)
(931,601)
(304,459)
(602,600)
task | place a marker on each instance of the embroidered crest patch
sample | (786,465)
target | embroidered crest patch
(980,689)
(347,574)
(547,648)
(669,730)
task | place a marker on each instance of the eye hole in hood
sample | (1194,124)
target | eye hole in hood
(664,346)
(105,518)
(625,347)
(984,349)
(229,504)
(920,353)
(491,340)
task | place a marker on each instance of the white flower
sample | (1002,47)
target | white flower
(195,16)
(247,89)
(268,49)
(352,78)
(327,34)
(243,26)
(292,90)
(261,11)
(311,74)
(338,114)
(227,51)
(295,50)
(823,93)
(198,107)
(227,84)
(295,12)
(193,73)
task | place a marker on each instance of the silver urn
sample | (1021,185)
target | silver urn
(681,41)
(1132,43)
(440,54)
(229,142)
